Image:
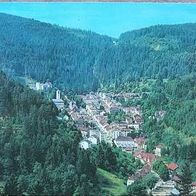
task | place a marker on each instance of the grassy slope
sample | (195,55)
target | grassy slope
(110,184)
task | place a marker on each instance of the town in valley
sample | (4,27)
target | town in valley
(92,116)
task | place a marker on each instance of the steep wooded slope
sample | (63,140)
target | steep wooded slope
(81,60)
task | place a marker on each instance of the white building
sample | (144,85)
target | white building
(126,143)
(115,134)
(96,133)
(85,144)
(39,86)
(134,126)
(130,181)
(58,94)
(158,150)
(93,140)
(59,103)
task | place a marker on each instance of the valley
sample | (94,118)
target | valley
(87,114)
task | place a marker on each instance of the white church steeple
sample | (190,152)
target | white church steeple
(58,94)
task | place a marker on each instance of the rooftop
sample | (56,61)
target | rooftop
(124,139)
(172,166)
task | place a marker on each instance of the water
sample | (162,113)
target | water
(105,18)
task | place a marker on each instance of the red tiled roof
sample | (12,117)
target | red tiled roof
(137,154)
(147,157)
(172,166)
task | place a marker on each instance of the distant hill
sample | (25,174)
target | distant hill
(83,60)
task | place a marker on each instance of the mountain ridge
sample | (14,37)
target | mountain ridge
(84,60)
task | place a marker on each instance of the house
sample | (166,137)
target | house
(95,133)
(39,86)
(72,106)
(124,132)
(59,103)
(158,150)
(138,119)
(93,139)
(175,192)
(172,168)
(140,142)
(115,134)
(165,189)
(130,181)
(129,120)
(145,157)
(176,179)
(131,110)
(134,126)
(126,143)
(114,109)
(85,144)
(47,85)
(84,132)
(123,125)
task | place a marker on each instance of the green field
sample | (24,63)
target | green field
(110,184)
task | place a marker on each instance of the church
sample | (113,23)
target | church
(58,102)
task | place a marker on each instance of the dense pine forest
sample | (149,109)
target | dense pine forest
(83,61)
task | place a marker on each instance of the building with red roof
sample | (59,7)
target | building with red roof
(172,166)
(149,158)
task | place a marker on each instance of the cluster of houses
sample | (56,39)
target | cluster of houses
(94,118)
(93,123)
(161,188)
(168,188)
(99,105)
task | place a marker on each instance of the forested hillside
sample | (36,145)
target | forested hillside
(65,56)
(83,61)
(175,129)
(38,154)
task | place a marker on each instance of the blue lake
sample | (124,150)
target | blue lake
(105,18)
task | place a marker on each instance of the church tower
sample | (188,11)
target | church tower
(58,94)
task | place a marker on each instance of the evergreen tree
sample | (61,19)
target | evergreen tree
(186,179)
(137,189)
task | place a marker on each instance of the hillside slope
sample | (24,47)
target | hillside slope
(44,51)
(81,60)
(38,154)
